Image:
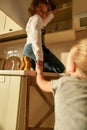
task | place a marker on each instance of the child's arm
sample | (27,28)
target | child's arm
(50,16)
(42,83)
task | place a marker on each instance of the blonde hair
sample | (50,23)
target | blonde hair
(79,56)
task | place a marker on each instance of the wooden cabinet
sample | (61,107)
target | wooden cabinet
(12,107)
(63,19)
(16,100)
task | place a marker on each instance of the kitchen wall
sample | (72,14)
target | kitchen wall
(60,49)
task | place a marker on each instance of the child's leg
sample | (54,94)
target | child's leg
(28,52)
(52,63)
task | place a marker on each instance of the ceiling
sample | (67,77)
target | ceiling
(18,10)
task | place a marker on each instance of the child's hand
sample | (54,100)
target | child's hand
(55,11)
(39,67)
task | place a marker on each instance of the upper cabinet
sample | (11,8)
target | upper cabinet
(72,15)
(79,12)
(63,20)
(7,25)
(79,7)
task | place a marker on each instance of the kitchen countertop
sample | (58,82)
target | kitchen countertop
(22,72)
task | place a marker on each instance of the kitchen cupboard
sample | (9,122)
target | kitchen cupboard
(15,97)
(7,25)
(12,101)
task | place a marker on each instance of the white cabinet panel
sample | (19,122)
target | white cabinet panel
(9,101)
(11,26)
(7,25)
(4,96)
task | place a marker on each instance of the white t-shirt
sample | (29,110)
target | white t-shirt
(33,29)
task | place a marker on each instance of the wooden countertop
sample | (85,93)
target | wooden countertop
(25,73)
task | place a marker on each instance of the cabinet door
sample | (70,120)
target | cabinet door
(4,96)
(9,99)
(11,26)
(7,25)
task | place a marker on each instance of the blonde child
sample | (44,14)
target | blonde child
(70,91)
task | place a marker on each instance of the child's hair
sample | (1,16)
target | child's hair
(34,4)
(80,56)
